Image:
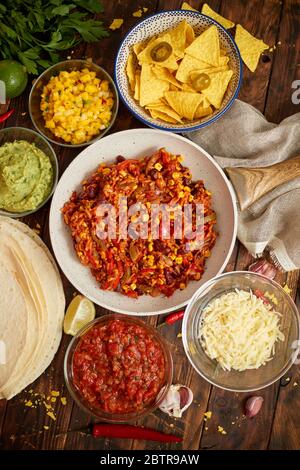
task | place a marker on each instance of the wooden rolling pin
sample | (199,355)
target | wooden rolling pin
(251,184)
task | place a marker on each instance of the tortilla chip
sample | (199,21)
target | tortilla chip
(156,114)
(138,13)
(164,74)
(181,36)
(206,10)
(165,109)
(187,65)
(116,24)
(204,108)
(202,112)
(174,88)
(151,87)
(137,86)
(208,71)
(206,47)
(186,87)
(130,70)
(156,104)
(184,103)
(217,88)
(145,55)
(138,47)
(189,34)
(223,60)
(250,47)
(186,6)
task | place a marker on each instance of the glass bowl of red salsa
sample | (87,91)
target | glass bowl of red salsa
(118,368)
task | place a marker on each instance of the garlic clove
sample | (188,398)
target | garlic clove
(253,406)
(177,400)
(263,267)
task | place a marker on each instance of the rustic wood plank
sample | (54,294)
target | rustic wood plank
(286,67)
(286,426)
(23,427)
(176,5)
(227,407)
(285,432)
(263,26)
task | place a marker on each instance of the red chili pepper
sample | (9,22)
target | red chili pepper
(173,318)
(126,431)
(6,115)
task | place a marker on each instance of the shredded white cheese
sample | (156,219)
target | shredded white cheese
(239,331)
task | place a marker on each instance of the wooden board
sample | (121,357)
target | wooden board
(277,426)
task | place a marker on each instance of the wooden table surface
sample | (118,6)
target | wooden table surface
(278,424)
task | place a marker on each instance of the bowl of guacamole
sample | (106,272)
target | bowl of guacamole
(28,171)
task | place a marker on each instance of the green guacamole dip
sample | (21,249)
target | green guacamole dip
(26,176)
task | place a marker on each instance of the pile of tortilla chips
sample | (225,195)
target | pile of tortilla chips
(249,46)
(165,89)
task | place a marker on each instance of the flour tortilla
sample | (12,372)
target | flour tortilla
(11,300)
(60,293)
(34,269)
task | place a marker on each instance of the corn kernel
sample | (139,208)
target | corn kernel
(158,166)
(179,259)
(175,175)
(71,106)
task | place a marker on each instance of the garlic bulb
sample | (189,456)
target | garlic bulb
(253,406)
(177,400)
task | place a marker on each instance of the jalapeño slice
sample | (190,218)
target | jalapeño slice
(161,52)
(201,81)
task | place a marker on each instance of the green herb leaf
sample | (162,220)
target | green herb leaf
(93,6)
(30,65)
(33,32)
(63,10)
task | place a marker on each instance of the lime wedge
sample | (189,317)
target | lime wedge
(80,312)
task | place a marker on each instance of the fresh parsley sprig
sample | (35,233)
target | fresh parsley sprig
(35,32)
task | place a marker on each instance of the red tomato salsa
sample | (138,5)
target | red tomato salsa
(118,367)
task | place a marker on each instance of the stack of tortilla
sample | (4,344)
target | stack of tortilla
(32,305)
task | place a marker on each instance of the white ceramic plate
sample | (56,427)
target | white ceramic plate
(137,143)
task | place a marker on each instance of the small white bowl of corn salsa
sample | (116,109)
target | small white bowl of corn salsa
(73,103)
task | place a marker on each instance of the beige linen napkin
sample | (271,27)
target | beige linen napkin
(243,137)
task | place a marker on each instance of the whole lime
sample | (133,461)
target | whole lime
(15,77)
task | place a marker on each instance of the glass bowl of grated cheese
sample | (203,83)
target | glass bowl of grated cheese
(241,331)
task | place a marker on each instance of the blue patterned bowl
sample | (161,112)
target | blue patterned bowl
(153,26)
